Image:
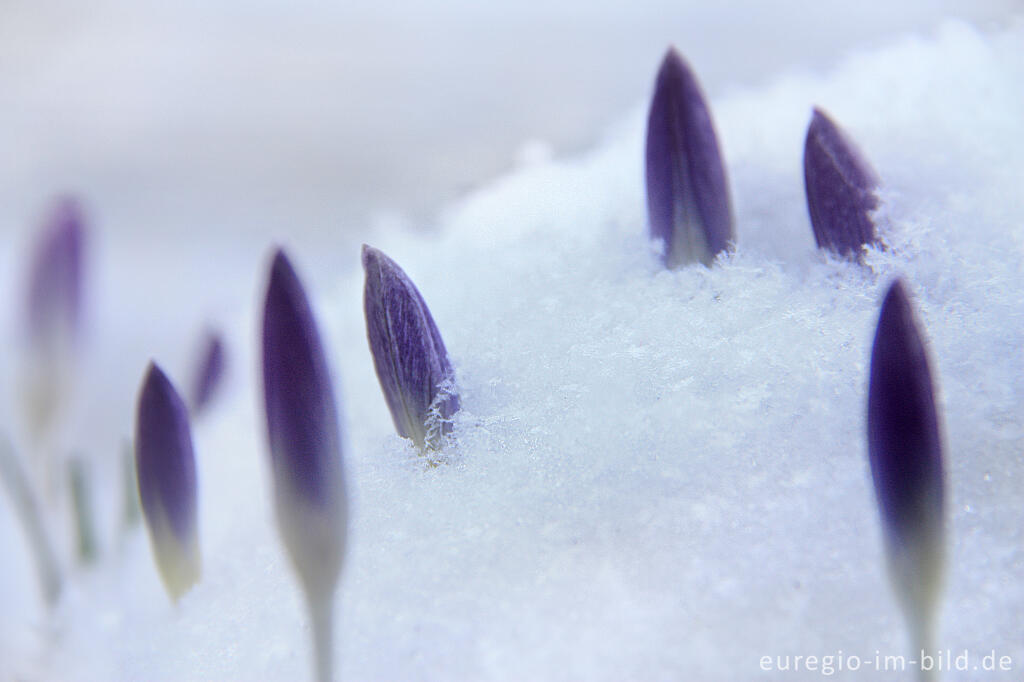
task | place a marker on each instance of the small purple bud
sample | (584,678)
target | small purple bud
(840,189)
(209,372)
(53,323)
(55,286)
(304,437)
(410,358)
(905,450)
(687,194)
(166,472)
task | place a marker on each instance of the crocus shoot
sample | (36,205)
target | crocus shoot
(905,449)
(305,450)
(410,358)
(16,482)
(687,194)
(841,189)
(166,472)
(87,545)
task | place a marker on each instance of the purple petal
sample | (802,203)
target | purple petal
(410,358)
(305,441)
(209,373)
(840,189)
(905,450)
(166,472)
(687,194)
(55,286)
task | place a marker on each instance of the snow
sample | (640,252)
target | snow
(658,474)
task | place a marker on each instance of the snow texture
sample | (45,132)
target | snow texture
(659,475)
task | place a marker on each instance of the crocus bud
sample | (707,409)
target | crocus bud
(840,189)
(410,358)
(687,194)
(305,448)
(55,285)
(166,471)
(905,449)
(209,372)
(53,323)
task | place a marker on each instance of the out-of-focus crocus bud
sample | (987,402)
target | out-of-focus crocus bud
(687,193)
(905,449)
(53,316)
(209,372)
(840,189)
(410,358)
(305,449)
(166,471)
(55,286)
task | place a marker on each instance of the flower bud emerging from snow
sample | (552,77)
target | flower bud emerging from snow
(53,321)
(55,286)
(410,358)
(166,472)
(687,195)
(209,372)
(905,449)
(304,437)
(840,189)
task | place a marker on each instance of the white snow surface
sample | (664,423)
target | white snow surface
(658,475)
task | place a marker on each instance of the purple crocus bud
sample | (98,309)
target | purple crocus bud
(687,194)
(53,325)
(55,285)
(410,358)
(905,450)
(305,448)
(840,189)
(209,372)
(166,472)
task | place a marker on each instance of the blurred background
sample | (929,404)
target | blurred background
(261,119)
(196,134)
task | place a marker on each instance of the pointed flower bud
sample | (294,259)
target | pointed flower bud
(53,325)
(305,449)
(410,358)
(302,424)
(55,285)
(905,450)
(166,471)
(840,189)
(687,194)
(209,372)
